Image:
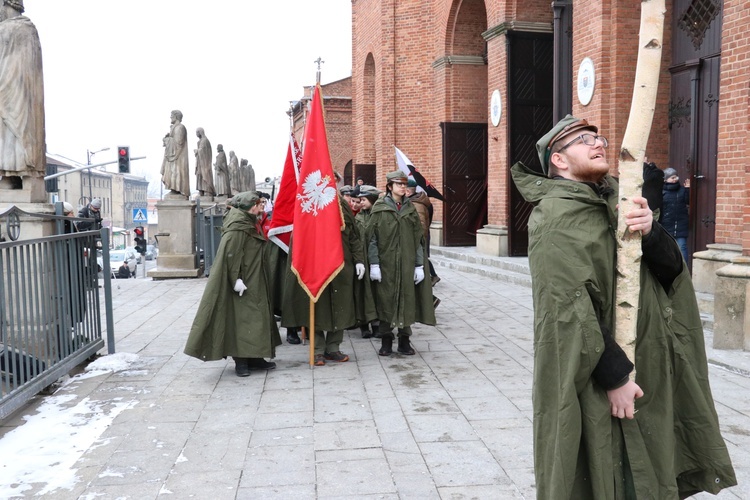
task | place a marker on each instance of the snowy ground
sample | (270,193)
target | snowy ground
(45,448)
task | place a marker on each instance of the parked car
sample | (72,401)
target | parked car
(117,257)
(137,255)
(151,252)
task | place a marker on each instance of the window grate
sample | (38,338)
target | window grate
(697,18)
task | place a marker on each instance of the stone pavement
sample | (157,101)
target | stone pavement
(451,422)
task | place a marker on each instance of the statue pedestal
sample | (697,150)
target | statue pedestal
(731,318)
(204,198)
(16,190)
(493,240)
(26,194)
(176,236)
(707,262)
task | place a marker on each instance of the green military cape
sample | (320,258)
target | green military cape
(227,324)
(335,308)
(673,447)
(363,298)
(276,260)
(398,301)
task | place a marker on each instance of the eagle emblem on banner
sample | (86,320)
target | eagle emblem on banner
(316,193)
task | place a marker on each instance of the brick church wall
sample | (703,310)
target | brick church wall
(402,88)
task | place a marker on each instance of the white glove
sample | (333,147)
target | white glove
(239,287)
(418,274)
(375,272)
(360,270)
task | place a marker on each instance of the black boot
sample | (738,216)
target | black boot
(292,336)
(376,331)
(386,345)
(260,364)
(404,346)
(241,367)
(366,334)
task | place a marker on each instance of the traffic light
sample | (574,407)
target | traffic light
(123,159)
(140,241)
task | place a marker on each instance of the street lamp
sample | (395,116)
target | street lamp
(89,154)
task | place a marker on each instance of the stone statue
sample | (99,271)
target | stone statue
(222,172)
(175,169)
(22,139)
(203,170)
(235,179)
(243,175)
(248,175)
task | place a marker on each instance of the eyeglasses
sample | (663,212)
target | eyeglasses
(402,184)
(587,139)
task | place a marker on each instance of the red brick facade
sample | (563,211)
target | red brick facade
(733,183)
(337,106)
(418,64)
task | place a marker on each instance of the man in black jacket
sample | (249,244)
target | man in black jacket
(91,211)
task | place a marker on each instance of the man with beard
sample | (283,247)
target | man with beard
(589,442)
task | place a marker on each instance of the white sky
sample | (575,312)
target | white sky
(39,453)
(115,69)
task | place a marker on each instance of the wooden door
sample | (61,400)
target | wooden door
(694,110)
(464,182)
(367,172)
(530,117)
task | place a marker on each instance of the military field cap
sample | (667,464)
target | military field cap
(345,190)
(411,183)
(96,203)
(669,172)
(245,201)
(564,127)
(366,190)
(397,175)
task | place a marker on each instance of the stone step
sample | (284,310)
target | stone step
(513,270)
(706,308)
(516,270)
(518,265)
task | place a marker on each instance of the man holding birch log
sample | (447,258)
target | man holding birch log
(598,432)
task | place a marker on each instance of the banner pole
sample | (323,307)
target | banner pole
(312,333)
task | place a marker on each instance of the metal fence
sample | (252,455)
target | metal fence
(208,222)
(50,307)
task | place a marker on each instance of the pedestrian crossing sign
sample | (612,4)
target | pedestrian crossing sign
(139,215)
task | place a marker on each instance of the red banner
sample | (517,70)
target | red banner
(282,221)
(317,253)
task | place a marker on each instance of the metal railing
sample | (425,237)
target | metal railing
(50,308)
(208,222)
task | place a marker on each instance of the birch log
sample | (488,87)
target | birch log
(631,171)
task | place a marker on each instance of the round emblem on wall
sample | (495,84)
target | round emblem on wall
(586,81)
(496,108)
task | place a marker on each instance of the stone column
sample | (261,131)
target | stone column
(176,236)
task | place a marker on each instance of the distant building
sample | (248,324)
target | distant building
(120,193)
(337,103)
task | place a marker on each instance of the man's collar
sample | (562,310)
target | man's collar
(601,188)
